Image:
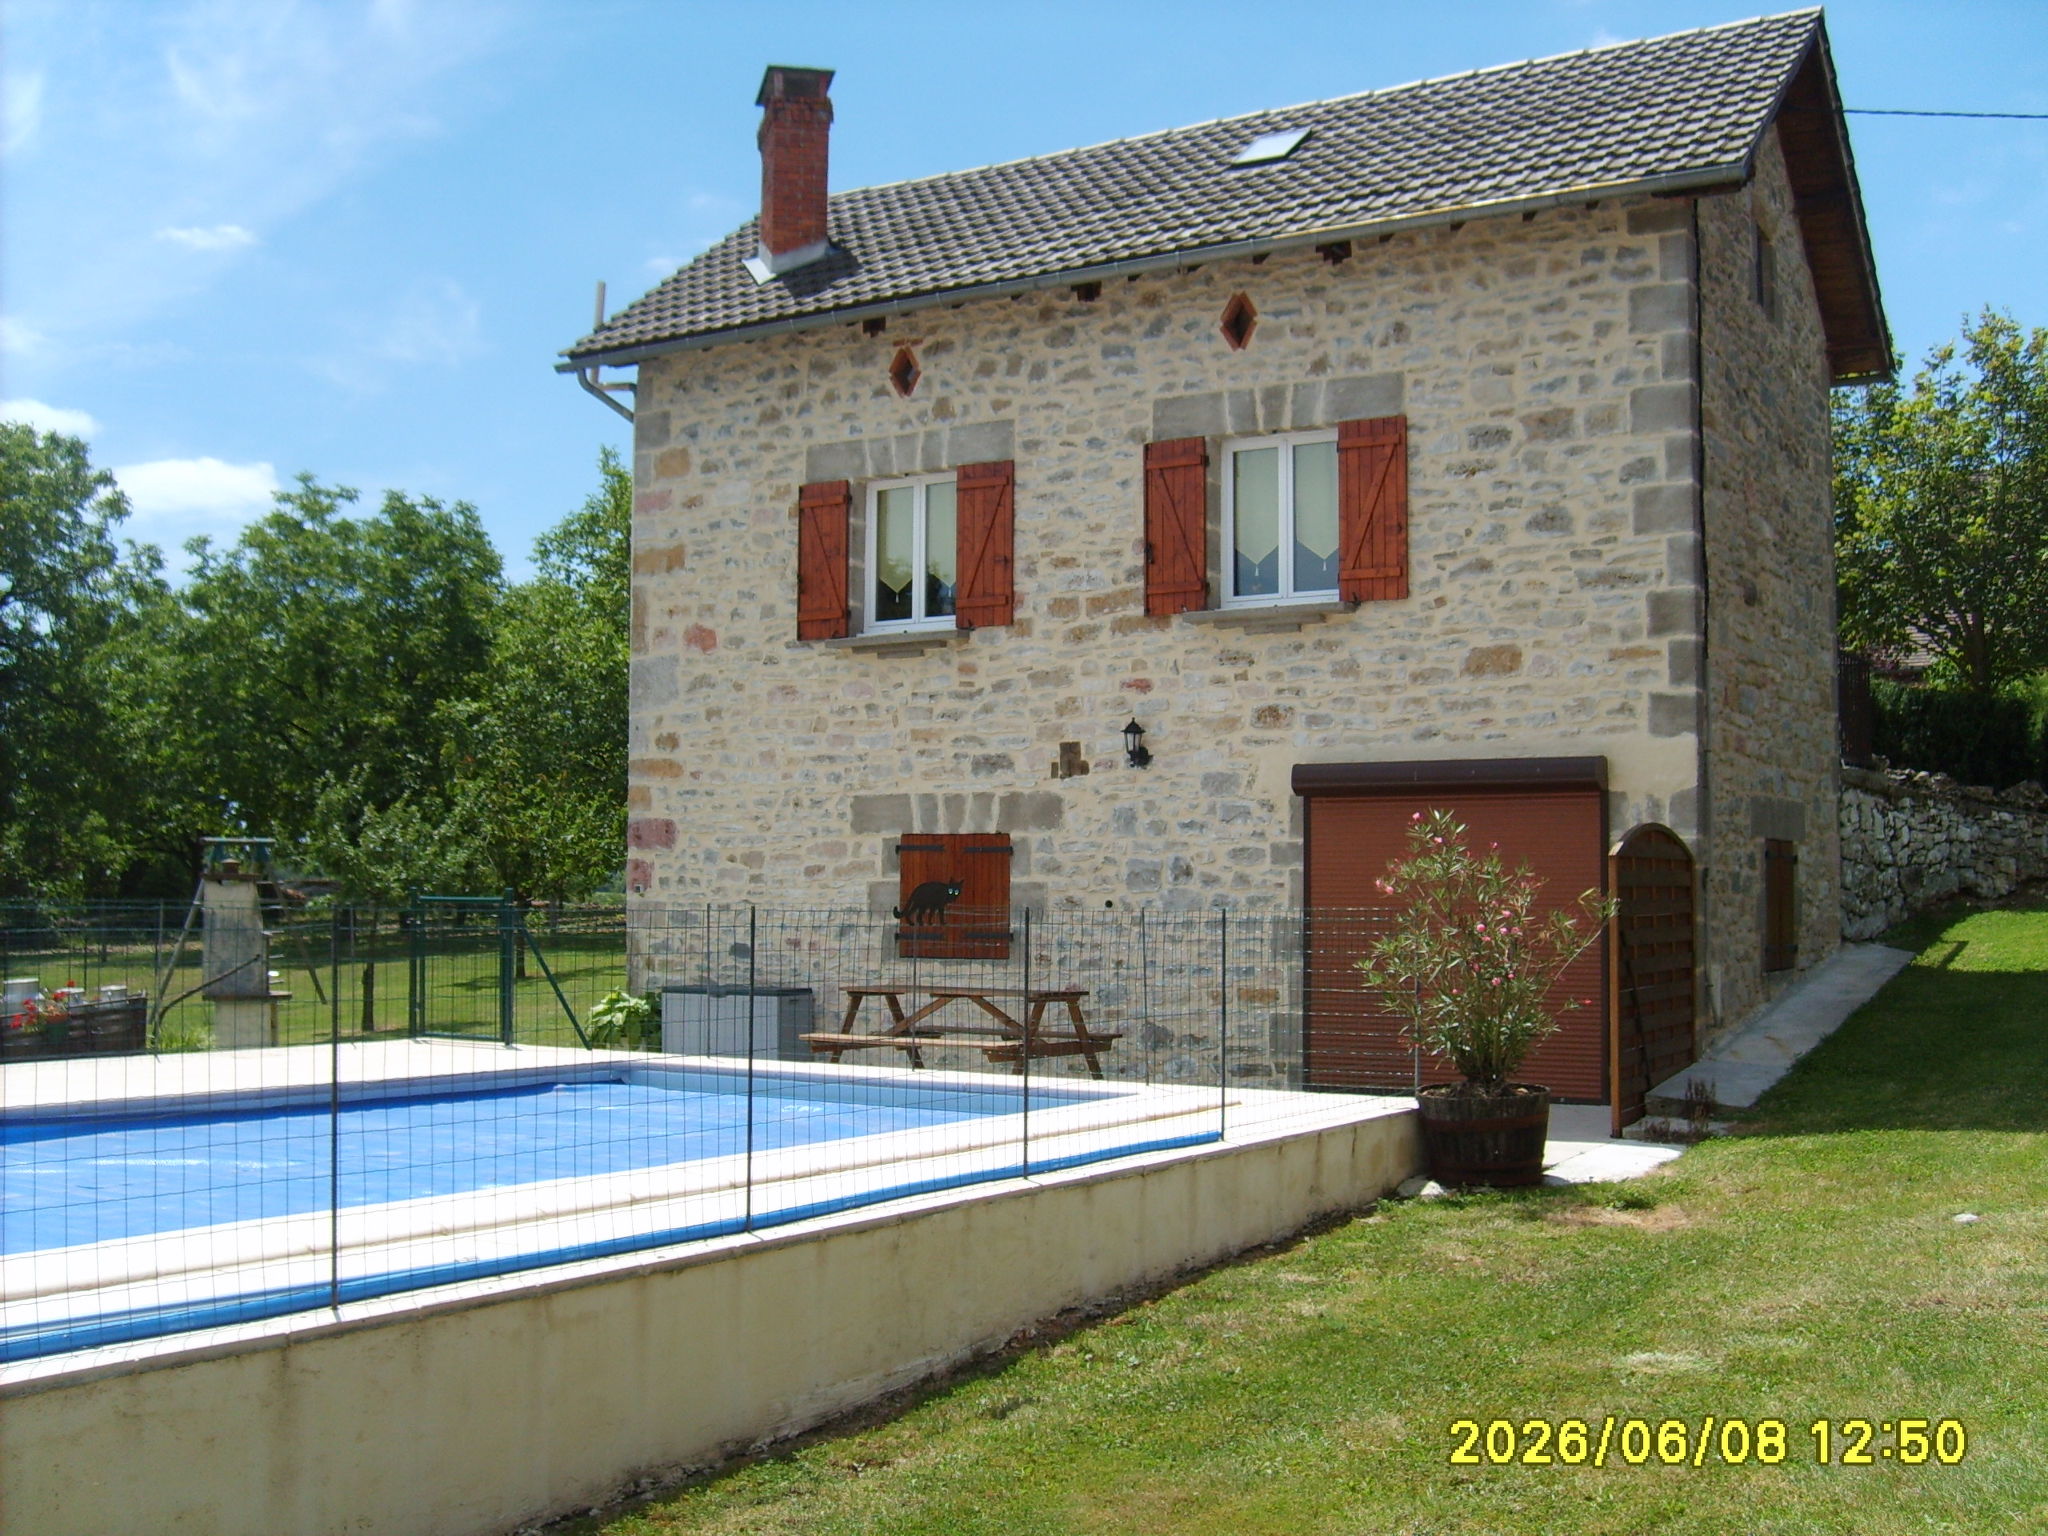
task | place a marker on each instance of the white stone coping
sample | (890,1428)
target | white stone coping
(890,640)
(1264,617)
(835,1179)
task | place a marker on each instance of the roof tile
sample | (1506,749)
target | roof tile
(1601,120)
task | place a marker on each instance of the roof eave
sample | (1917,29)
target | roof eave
(1672,183)
(1828,203)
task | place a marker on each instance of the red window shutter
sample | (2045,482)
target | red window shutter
(976,925)
(1372,509)
(1176,525)
(822,513)
(987,527)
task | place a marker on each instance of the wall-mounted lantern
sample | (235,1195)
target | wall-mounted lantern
(1135,750)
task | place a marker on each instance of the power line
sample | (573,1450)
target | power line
(2031,117)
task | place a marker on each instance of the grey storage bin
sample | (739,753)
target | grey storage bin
(731,1021)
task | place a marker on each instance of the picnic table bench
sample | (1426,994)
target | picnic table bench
(1010,1039)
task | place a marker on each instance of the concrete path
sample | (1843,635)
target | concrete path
(1580,1151)
(1752,1060)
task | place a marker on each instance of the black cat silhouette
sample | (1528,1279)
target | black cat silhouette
(929,901)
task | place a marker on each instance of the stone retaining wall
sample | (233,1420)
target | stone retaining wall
(1910,840)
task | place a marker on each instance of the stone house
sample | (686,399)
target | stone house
(1462,444)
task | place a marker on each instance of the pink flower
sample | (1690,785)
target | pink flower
(1416,817)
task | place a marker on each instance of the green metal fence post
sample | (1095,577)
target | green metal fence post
(508,961)
(414,919)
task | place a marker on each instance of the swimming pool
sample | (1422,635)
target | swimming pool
(156,1195)
(93,1178)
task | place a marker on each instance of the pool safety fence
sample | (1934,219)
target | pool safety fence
(446,1093)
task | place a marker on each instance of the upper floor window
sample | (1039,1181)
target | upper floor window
(1280,517)
(913,553)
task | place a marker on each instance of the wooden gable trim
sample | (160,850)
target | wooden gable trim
(1814,137)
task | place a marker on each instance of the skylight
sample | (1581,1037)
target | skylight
(1271,146)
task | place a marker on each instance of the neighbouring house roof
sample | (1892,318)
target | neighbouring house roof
(1671,114)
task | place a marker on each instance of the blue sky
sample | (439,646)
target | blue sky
(245,238)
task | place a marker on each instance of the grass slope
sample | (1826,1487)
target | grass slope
(1809,1268)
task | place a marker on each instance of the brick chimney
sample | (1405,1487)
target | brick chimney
(796,133)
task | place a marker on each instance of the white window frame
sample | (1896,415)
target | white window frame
(920,528)
(1286,441)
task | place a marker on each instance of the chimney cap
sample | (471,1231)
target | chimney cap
(783,82)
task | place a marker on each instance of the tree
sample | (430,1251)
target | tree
(528,793)
(70,802)
(321,649)
(1941,507)
(542,744)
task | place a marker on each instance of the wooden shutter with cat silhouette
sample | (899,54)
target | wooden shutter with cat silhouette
(1176,525)
(823,511)
(1372,509)
(975,925)
(987,531)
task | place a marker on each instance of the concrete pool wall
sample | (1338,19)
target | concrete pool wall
(475,1408)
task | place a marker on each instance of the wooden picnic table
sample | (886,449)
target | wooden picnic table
(1008,1039)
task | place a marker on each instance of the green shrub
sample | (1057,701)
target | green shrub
(623,1022)
(1974,738)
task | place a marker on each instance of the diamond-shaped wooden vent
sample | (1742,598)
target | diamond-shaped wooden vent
(904,372)
(1239,320)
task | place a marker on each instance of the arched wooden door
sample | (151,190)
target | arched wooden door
(1650,958)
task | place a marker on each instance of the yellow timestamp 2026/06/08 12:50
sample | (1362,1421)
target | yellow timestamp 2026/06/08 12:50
(1733,1442)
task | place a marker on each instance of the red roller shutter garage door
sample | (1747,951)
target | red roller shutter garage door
(1549,812)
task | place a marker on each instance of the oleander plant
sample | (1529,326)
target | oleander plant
(1470,962)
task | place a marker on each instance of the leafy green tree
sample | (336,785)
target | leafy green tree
(381,854)
(71,802)
(528,792)
(541,778)
(1941,507)
(321,650)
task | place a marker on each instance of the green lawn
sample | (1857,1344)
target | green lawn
(1808,1268)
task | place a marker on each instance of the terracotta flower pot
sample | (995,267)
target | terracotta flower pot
(1473,1138)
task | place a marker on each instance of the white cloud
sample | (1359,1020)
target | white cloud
(208,237)
(21,110)
(174,113)
(433,323)
(18,337)
(49,418)
(205,489)
(436,322)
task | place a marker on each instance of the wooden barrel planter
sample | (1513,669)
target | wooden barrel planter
(1469,1139)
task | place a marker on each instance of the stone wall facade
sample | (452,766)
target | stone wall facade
(1767,590)
(1548,368)
(1546,618)
(1910,840)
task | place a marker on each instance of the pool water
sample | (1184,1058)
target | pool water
(86,1181)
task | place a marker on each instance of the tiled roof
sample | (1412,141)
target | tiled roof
(1664,112)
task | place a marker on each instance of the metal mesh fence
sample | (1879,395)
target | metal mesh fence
(466,1089)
